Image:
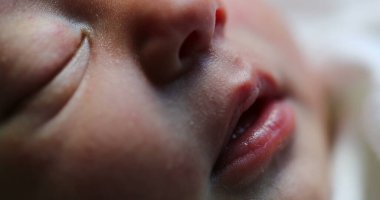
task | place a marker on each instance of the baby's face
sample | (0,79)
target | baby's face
(140,99)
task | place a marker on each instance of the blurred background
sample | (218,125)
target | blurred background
(341,38)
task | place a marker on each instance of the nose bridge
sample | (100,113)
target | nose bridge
(192,15)
(179,13)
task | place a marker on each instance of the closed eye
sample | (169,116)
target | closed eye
(47,103)
(41,86)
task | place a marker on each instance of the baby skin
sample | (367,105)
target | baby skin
(165,99)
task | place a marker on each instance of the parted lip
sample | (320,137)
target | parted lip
(250,144)
(260,84)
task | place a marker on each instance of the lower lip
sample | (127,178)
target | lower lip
(247,156)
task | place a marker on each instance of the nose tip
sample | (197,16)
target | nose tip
(173,35)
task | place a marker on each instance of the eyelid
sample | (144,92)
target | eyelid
(44,65)
(34,48)
(64,85)
(54,96)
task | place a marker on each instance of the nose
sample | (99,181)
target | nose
(172,35)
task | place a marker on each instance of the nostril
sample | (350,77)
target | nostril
(198,42)
(191,47)
(172,43)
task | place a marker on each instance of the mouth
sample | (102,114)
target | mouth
(260,133)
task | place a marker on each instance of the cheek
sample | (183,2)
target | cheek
(130,163)
(310,167)
(107,136)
